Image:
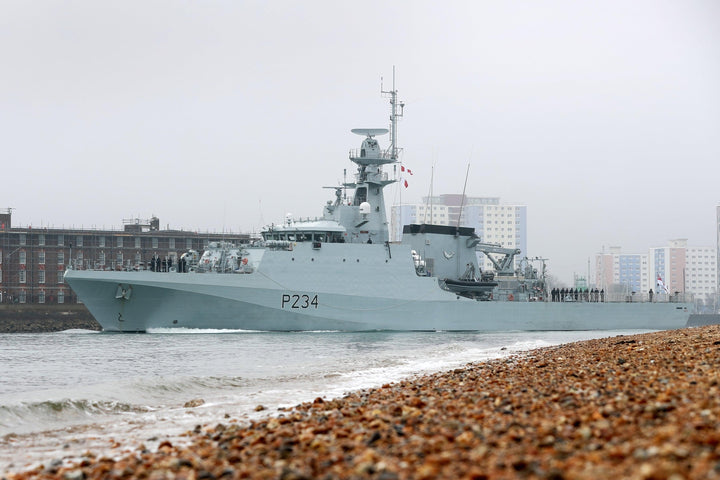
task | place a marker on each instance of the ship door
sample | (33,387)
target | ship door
(360,195)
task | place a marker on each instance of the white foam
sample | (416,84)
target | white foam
(196,331)
(76,331)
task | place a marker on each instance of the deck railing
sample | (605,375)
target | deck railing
(621,297)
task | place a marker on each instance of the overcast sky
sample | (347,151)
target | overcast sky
(603,117)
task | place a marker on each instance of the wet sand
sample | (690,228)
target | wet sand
(638,407)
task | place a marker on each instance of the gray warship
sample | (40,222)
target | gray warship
(340,272)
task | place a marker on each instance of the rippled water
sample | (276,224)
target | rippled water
(62,394)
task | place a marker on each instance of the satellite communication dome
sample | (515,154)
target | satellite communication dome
(365,208)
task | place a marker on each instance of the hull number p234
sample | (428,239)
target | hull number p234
(299,301)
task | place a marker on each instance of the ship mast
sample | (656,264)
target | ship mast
(394,151)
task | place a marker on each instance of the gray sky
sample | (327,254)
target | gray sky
(603,117)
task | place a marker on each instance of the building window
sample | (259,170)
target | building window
(138,242)
(188,243)
(80,258)
(23,297)
(1,278)
(23,257)
(41,239)
(41,296)
(23,276)
(138,258)
(79,241)
(61,276)
(61,258)
(1,256)
(171,244)
(102,258)
(120,242)
(23,239)
(119,258)
(154,242)
(41,276)
(61,296)
(101,242)
(41,257)
(61,240)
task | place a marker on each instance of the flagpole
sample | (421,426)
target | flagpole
(462,200)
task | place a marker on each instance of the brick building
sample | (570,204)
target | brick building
(33,260)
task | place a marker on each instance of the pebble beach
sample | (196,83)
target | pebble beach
(643,406)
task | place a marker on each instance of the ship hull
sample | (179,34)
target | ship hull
(303,290)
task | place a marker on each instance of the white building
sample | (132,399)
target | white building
(717,253)
(701,272)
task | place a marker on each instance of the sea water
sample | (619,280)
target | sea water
(64,394)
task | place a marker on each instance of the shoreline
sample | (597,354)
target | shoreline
(637,406)
(36,318)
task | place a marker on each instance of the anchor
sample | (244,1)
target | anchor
(123,292)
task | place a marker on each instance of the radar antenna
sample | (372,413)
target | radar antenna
(369,132)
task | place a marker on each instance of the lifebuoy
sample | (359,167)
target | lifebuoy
(244,261)
(511,297)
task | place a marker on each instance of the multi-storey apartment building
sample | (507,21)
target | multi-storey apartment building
(668,266)
(675,268)
(33,260)
(701,271)
(717,253)
(493,222)
(624,272)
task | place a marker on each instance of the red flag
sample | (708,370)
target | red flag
(406,184)
(402,168)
